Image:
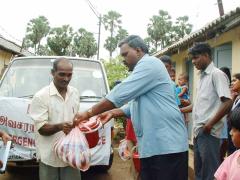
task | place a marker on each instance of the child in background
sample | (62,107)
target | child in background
(172,74)
(224,132)
(182,91)
(230,168)
(183,86)
(235,92)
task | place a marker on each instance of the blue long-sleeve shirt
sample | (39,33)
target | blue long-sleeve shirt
(156,118)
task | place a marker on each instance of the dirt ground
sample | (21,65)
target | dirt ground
(120,171)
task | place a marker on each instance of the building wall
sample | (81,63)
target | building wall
(236,51)
(4,59)
(180,58)
(232,36)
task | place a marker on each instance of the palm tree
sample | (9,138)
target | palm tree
(37,29)
(111,22)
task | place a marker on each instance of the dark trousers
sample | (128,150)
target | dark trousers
(206,156)
(165,167)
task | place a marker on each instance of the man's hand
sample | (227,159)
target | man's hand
(79,117)
(105,117)
(5,137)
(67,127)
(207,128)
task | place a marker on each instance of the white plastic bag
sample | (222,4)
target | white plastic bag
(123,150)
(73,149)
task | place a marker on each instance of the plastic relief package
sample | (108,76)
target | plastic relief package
(73,149)
(92,125)
(90,129)
(123,150)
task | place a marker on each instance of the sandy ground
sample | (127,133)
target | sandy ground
(120,171)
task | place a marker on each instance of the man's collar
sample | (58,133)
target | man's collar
(53,90)
(145,55)
(209,69)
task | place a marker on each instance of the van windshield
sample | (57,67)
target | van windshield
(27,76)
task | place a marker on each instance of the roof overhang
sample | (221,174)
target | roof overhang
(13,47)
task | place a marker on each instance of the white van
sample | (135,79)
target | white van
(23,78)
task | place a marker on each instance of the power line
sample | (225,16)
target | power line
(93,8)
(98,15)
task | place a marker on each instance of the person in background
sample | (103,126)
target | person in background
(131,142)
(212,103)
(230,168)
(224,133)
(183,93)
(130,138)
(52,110)
(235,91)
(5,137)
(168,64)
(147,96)
(172,74)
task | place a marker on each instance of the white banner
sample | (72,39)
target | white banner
(14,120)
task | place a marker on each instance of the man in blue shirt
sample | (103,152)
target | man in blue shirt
(147,96)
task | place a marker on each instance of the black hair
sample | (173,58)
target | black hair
(166,59)
(200,48)
(57,61)
(134,41)
(234,118)
(226,70)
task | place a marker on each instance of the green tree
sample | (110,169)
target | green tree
(149,43)
(111,44)
(59,40)
(84,43)
(158,28)
(45,51)
(182,27)
(115,70)
(111,22)
(37,29)
(122,33)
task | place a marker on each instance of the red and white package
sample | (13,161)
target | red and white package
(123,150)
(73,149)
(93,124)
(90,129)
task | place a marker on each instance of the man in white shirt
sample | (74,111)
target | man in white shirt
(53,109)
(212,102)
